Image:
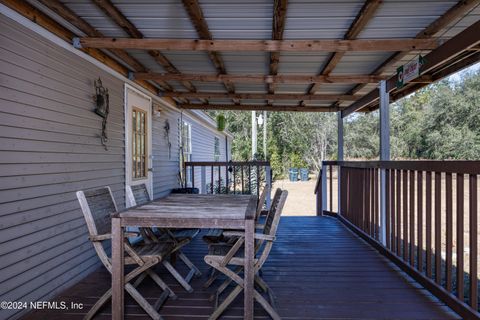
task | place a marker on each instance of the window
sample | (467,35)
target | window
(186,142)
(216,152)
(139,142)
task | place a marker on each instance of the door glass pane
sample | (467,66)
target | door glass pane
(139,150)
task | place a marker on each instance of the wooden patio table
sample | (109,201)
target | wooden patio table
(186,211)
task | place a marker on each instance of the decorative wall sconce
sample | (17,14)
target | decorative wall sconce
(166,134)
(102,108)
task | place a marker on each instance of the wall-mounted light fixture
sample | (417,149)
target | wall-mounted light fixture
(102,108)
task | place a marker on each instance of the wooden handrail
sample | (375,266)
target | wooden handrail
(229,163)
(451,166)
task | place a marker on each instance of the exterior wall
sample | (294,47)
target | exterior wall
(50,148)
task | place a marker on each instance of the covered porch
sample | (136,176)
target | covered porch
(366,255)
(318,269)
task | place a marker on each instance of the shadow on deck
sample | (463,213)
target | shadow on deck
(318,270)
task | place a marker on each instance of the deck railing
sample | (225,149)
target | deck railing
(427,221)
(233,177)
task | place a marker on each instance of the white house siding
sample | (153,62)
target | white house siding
(50,148)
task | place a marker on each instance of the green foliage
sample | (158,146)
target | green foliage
(220,122)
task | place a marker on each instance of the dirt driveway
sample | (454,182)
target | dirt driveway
(301,200)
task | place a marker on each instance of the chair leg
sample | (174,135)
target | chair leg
(264,303)
(142,302)
(177,276)
(266,288)
(218,311)
(161,284)
(189,263)
(98,305)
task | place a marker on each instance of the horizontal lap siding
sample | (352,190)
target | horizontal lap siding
(50,148)
(165,168)
(203,147)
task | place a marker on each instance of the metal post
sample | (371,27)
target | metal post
(339,158)
(254,135)
(265,135)
(384,155)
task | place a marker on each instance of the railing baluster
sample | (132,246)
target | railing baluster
(258,180)
(428,222)
(420,221)
(388,206)
(460,235)
(438,228)
(392,210)
(226,179)
(405,213)
(212,182)
(219,179)
(449,220)
(366,199)
(473,241)
(249,179)
(411,187)
(193,175)
(243,181)
(234,179)
(399,212)
(331,187)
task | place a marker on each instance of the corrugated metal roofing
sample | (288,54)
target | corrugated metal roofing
(252,19)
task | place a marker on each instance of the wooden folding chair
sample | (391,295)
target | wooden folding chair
(139,195)
(223,241)
(97,207)
(233,258)
(216,235)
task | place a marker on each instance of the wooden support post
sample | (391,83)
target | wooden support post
(339,157)
(384,155)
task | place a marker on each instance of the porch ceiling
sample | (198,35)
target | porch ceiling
(280,20)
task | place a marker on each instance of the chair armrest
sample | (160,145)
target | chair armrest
(259,236)
(107,236)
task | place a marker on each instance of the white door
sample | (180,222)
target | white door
(138,139)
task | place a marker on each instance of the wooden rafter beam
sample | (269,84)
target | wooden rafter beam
(261,96)
(278,27)
(43,20)
(261,107)
(453,14)
(445,54)
(364,16)
(70,16)
(122,21)
(262,45)
(198,20)
(258,78)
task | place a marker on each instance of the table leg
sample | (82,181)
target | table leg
(249,269)
(117,270)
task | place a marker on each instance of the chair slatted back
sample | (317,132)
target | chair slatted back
(140,194)
(261,202)
(272,212)
(273,220)
(97,206)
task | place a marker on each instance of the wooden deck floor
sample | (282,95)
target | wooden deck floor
(318,270)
